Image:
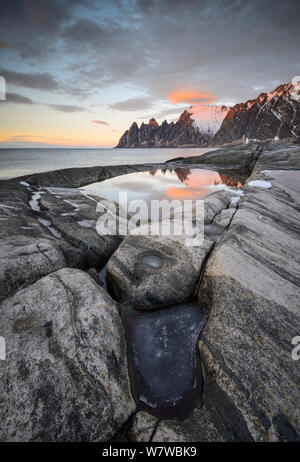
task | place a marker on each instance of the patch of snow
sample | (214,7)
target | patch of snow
(260,184)
(295,90)
(52,230)
(86,223)
(234,200)
(208,119)
(34,202)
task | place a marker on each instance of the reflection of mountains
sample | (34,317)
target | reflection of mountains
(204,177)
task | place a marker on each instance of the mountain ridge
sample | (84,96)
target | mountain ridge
(273,115)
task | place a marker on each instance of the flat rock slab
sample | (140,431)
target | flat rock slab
(65,376)
(164,365)
(251,284)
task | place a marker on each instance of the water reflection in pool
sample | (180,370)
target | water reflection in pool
(178,183)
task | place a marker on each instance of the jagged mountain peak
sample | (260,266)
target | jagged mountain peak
(153,122)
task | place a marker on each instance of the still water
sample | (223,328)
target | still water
(178,183)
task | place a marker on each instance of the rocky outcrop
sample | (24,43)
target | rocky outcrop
(252,284)
(65,377)
(270,115)
(182,133)
(45,230)
(149,272)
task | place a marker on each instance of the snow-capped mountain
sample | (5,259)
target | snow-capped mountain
(270,115)
(196,126)
(208,119)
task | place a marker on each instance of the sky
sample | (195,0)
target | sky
(78,73)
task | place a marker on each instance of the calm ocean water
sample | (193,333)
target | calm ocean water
(18,162)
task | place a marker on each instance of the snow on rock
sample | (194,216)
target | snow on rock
(208,119)
(260,184)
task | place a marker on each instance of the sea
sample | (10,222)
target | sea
(19,162)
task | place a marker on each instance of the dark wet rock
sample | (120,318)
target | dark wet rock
(166,377)
(77,177)
(65,377)
(150,272)
(240,158)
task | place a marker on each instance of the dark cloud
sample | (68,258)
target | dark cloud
(100,122)
(18,99)
(66,108)
(34,25)
(158,47)
(84,31)
(42,81)
(132,104)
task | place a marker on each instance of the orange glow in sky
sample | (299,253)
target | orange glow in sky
(191,97)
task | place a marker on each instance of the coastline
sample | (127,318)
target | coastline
(248,274)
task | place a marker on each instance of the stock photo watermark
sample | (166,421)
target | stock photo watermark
(155,218)
(296,350)
(2,349)
(2,89)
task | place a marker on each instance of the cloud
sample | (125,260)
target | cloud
(100,122)
(132,104)
(42,81)
(191,97)
(84,31)
(18,99)
(66,108)
(154,47)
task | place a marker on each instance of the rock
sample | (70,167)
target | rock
(143,427)
(74,216)
(65,376)
(251,283)
(269,116)
(215,203)
(234,159)
(150,272)
(52,235)
(197,428)
(224,217)
(182,133)
(166,377)
(80,176)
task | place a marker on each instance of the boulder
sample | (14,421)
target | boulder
(65,376)
(150,272)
